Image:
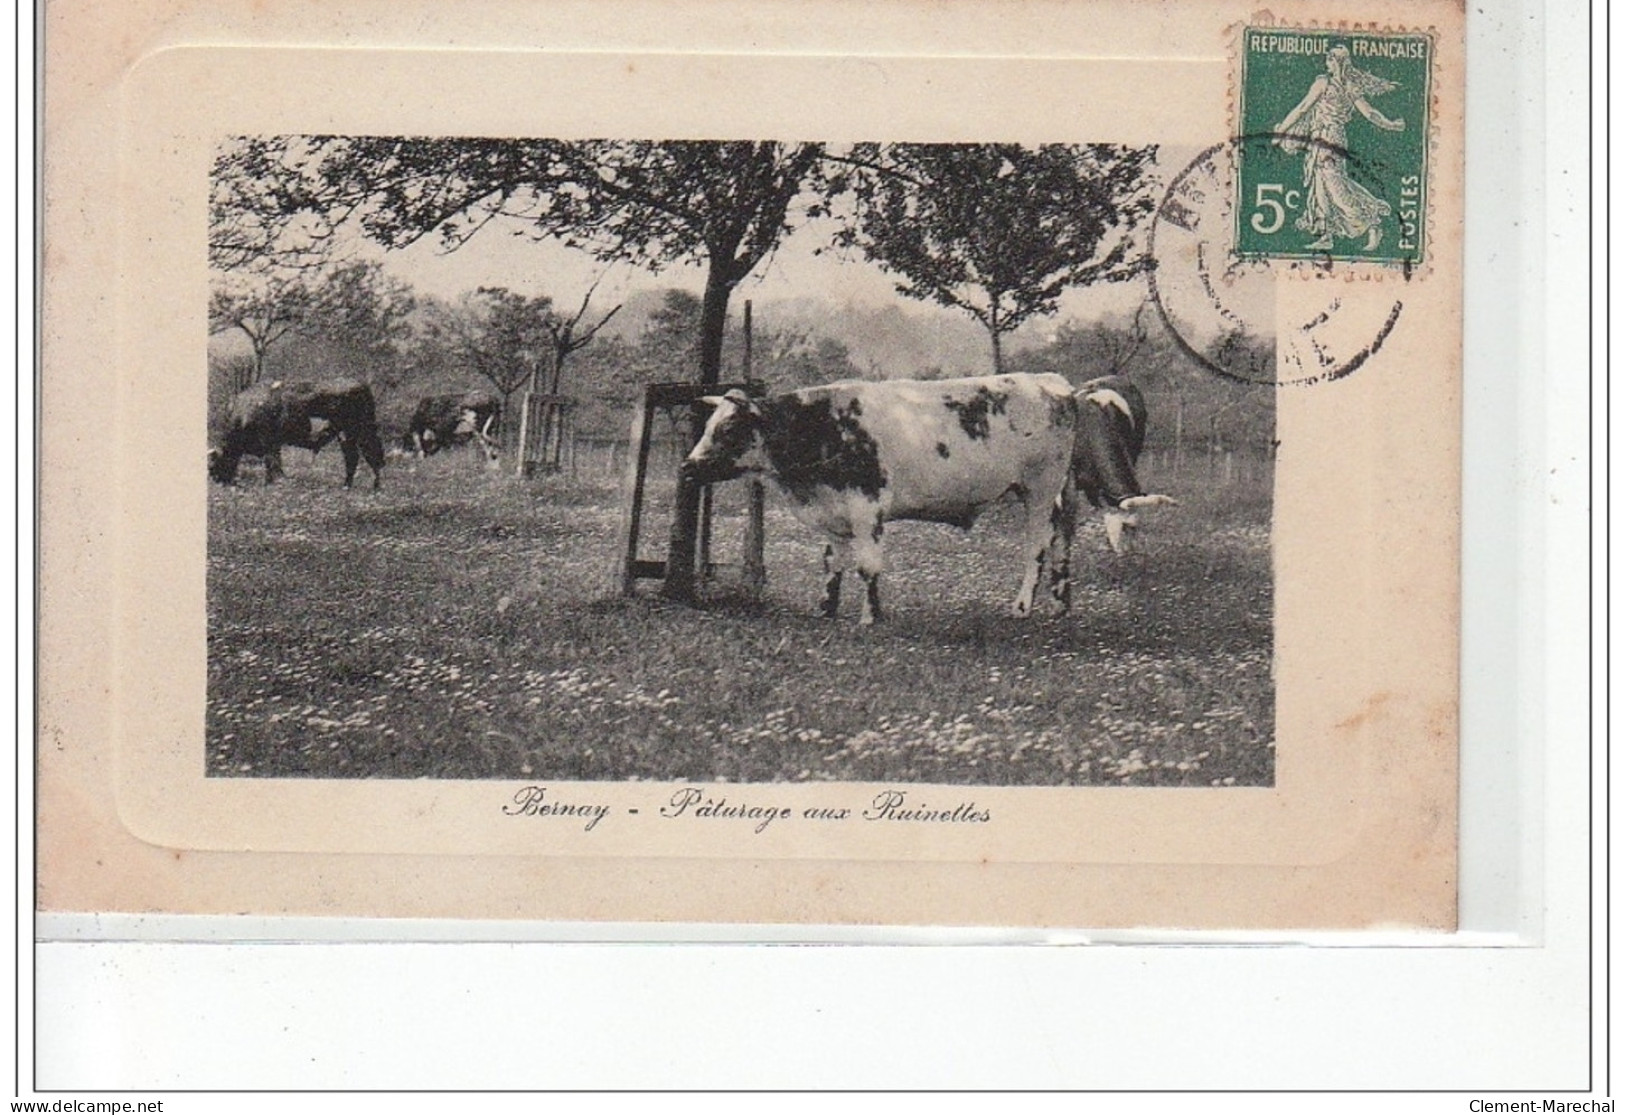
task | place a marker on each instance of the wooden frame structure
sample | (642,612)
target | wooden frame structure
(544,425)
(669,397)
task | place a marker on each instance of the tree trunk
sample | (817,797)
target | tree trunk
(1179,434)
(558,369)
(713,322)
(685,522)
(994,329)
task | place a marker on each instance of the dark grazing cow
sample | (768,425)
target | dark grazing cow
(852,456)
(442,421)
(267,417)
(1111,433)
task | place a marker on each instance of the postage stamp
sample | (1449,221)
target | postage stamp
(1332,163)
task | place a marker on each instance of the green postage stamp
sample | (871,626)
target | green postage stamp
(1332,158)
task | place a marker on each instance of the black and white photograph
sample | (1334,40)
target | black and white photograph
(730,461)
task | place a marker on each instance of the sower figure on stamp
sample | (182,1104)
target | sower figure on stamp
(1335,204)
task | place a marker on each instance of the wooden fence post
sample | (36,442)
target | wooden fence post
(754,562)
(632,497)
(755,559)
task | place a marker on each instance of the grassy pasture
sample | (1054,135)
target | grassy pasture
(460,624)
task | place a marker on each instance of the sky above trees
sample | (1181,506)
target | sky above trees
(800,267)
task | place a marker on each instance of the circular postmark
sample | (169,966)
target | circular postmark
(1221,306)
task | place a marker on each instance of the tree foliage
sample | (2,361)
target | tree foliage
(263,311)
(353,305)
(1000,230)
(497,334)
(361,308)
(788,359)
(570,335)
(721,205)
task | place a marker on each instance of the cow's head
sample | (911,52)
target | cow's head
(728,447)
(222,467)
(1123,520)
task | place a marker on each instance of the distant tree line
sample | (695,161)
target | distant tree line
(410,346)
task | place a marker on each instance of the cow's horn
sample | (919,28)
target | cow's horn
(1134,503)
(712,401)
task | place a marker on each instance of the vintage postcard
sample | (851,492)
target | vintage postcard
(1003,479)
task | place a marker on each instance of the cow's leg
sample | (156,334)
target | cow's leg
(872,612)
(352,458)
(837,557)
(1050,499)
(372,448)
(871,562)
(273,466)
(1036,540)
(1036,555)
(1063,523)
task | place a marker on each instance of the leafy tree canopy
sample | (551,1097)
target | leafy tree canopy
(722,205)
(1000,230)
(497,334)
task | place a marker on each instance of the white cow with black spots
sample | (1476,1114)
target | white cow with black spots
(853,456)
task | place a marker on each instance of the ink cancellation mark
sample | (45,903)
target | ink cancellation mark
(1220,305)
(1332,157)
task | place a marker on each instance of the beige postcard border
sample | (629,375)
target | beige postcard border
(1359,829)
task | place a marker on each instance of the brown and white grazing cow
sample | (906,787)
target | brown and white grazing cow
(853,456)
(442,421)
(267,417)
(1111,433)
